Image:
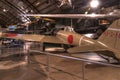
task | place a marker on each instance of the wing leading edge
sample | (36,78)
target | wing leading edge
(35,37)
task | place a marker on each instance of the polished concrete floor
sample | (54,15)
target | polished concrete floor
(14,67)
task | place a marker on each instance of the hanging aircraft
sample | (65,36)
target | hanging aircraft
(65,2)
(109,40)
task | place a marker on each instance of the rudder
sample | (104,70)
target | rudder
(111,37)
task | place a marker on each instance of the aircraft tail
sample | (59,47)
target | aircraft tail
(111,37)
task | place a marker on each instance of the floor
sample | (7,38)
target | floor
(14,67)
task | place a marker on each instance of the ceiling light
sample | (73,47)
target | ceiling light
(111,13)
(37,3)
(86,12)
(4,10)
(102,8)
(94,3)
(93,14)
(89,35)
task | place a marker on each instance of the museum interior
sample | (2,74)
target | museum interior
(59,39)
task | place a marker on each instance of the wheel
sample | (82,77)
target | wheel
(66,47)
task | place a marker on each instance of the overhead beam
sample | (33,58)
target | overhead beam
(31,5)
(35,1)
(3,22)
(46,10)
(42,3)
(53,10)
(13,6)
(8,19)
(77,16)
(9,14)
(48,6)
(5,18)
(110,3)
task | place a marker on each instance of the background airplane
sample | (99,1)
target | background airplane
(65,2)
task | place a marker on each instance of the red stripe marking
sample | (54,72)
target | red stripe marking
(10,35)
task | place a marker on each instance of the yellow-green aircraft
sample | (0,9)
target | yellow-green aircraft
(109,40)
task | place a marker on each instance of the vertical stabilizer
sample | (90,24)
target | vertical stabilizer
(111,37)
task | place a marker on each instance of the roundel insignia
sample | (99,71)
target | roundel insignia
(70,39)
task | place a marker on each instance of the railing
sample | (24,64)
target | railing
(26,51)
(73,58)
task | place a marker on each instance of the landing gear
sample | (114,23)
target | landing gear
(66,47)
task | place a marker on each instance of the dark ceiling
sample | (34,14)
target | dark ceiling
(12,9)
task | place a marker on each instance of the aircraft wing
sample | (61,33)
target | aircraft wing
(35,37)
(87,48)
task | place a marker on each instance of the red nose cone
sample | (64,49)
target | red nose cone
(70,39)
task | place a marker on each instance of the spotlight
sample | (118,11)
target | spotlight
(93,14)
(4,10)
(94,3)
(86,12)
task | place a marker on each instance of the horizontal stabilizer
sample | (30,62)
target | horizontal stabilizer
(87,48)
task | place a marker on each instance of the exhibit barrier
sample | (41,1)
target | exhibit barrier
(29,47)
(18,48)
(73,58)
